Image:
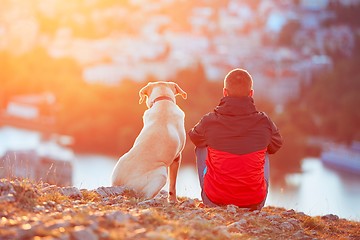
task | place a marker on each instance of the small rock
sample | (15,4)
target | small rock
(256,211)
(273,217)
(231,208)
(330,217)
(22,233)
(118,198)
(273,222)
(162,194)
(94,225)
(118,217)
(57,225)
(158,236)
(294,222)
(68,211)
(101,191)
(110,191)
(302,214)
(288,212)
(165,228)
(188,203)
(39,208)
(64,236)
(247,214)
(237,226)
(71,192)
(300,235)
(6,188)
(197,219)
(59,208)
(263,214)
(286,226)
(242,222)
(146,212)
(103,233)
(49,204)
(81,233)
(152,202)
(222,231)
(218,217)
(7,198)
(49,188)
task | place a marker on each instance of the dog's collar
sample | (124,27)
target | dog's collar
(161,98)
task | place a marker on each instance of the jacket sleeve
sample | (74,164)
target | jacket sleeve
(197,134)
(276,139)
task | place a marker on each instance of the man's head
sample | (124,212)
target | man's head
(238,83)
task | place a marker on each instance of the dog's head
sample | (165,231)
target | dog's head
(156,89)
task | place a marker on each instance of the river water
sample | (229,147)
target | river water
(318,190)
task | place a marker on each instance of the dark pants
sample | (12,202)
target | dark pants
(201,154)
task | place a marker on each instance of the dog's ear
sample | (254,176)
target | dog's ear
(179,91)
(143,93)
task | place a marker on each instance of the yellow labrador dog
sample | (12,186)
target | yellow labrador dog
(158,147)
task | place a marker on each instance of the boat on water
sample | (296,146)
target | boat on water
(343,157)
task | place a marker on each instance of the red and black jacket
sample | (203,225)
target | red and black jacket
(237,137)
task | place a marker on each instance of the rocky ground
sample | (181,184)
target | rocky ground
(41,211)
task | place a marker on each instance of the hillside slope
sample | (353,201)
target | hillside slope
(41,211)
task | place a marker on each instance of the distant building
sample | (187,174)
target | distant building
(30,111)
(30,106)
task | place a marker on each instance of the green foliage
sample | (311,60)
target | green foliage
(289,157)
(327,108)
(348,15)
(330,103)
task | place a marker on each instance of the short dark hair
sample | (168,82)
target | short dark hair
(238,82)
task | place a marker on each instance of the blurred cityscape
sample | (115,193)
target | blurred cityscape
(282,43)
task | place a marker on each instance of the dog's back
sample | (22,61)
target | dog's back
(164,122)
(161,140)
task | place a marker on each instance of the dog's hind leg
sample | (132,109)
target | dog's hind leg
(156,181)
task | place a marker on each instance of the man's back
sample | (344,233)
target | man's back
(236,127)
(237,137)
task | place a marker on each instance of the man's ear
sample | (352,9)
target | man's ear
(225,92)
(251,93)
(179,91)
(143,94)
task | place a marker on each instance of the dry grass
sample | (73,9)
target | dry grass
(42,211)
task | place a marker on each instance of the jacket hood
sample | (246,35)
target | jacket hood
(236,106)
